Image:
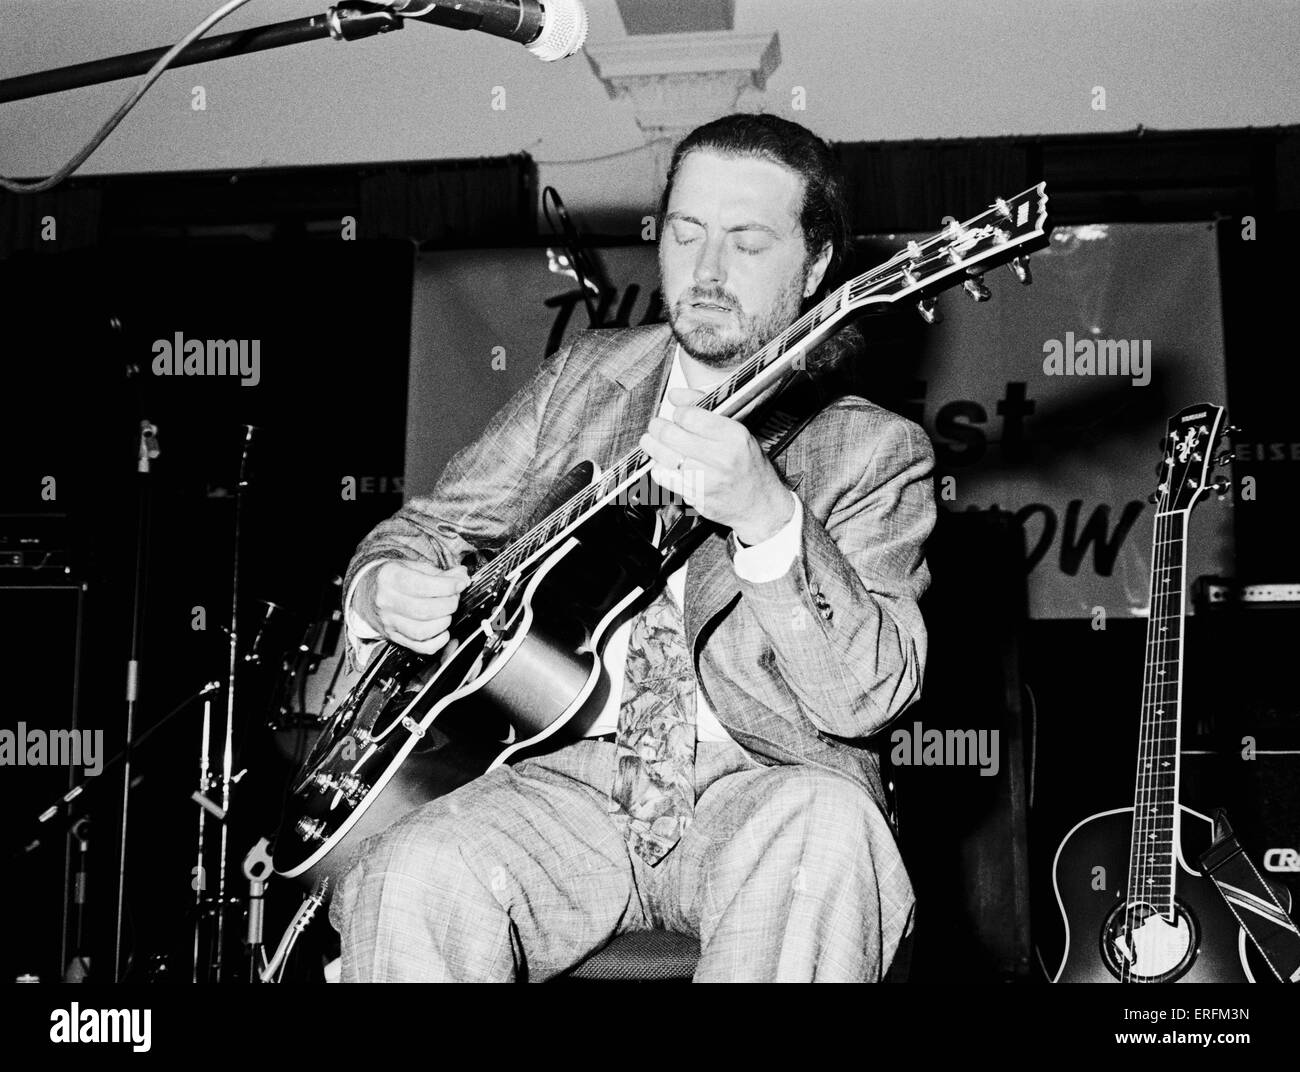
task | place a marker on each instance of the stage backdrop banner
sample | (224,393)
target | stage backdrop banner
(1047,401)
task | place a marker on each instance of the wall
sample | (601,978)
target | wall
(870,70)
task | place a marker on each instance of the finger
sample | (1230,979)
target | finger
(691,484)
(684,396)
(670,480)
(706,424)
(659,452)
(687,444)
(424,647)
(422,565)
(419,583)
(417,608)
(413,629)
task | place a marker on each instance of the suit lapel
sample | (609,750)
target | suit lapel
(641,375)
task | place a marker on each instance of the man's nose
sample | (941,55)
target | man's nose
(710,267)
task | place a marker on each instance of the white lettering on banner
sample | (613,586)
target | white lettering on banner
(1068,456)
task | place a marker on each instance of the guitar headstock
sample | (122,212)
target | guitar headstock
(1003,233)
(1187,472)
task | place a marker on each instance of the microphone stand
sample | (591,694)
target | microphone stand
(78,967)
(589,276)
(148,452)
(228,752)
(80,788)
(349,21)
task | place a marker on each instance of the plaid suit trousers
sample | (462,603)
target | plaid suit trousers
(788,873)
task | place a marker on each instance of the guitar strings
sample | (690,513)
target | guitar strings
(1138,829)
(1148,831)
(834,306)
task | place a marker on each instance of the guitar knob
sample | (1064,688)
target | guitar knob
(310,830)
(353,788)
(977,290)
(1020,269)
(929,310)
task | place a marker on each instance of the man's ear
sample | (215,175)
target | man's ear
(816,270)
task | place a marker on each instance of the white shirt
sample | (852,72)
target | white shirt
(764,561)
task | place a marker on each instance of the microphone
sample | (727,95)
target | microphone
(551,29)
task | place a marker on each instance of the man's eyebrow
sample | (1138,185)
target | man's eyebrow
(749,225)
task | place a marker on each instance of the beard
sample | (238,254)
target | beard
(734,337)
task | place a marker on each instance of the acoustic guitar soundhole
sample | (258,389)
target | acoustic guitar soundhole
(1139,945)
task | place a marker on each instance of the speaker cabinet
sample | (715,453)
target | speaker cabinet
(962,820)
(40,635)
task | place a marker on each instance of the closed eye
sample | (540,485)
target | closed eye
(684,236)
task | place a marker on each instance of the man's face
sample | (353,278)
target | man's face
(732,259)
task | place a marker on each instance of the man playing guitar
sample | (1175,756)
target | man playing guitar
(722,789)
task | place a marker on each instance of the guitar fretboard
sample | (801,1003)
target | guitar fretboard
(992,237)
(1155,804)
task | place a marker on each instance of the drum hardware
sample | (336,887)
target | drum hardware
(301,919)
(227,759)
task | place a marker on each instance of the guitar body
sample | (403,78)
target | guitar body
(524,675)
(523,668)
(1205,944)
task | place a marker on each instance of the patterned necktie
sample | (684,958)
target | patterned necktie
(654,782)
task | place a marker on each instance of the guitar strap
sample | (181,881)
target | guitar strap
(1252,901)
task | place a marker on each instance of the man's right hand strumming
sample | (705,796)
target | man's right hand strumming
(410,603)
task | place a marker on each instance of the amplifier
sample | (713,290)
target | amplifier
(34,541)
(1259,786)
(40,635)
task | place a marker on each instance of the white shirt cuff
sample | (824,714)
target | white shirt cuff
(770,559)
(360,635)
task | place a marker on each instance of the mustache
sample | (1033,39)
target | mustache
(712,295)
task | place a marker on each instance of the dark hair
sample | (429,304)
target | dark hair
(824,216)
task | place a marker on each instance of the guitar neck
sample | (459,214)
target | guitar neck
(1152,856)
(732,397)
(958,254)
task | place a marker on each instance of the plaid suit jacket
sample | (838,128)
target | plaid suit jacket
(798,669)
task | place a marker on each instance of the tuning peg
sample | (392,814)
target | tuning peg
(1226,458)
(1154,498)
(1020,269)
(977,290)
(1221,487)
(929,310)
(1232,430)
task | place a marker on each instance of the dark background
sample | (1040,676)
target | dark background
(141,257)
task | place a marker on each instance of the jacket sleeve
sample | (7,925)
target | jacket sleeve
(844,621)
(479,499)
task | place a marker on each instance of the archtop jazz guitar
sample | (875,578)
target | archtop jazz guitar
(526,641)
